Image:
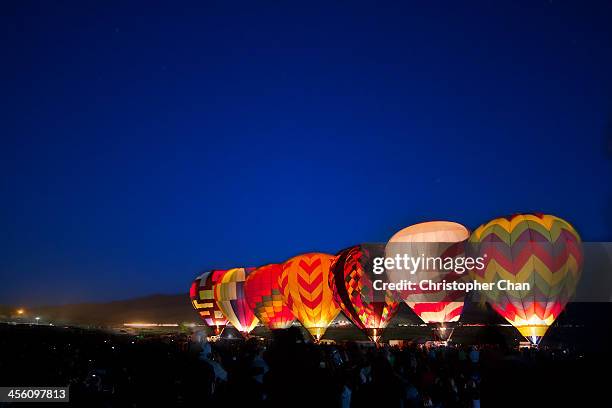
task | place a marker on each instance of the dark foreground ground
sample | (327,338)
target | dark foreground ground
(104,369)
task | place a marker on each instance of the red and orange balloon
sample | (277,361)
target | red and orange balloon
(264,297)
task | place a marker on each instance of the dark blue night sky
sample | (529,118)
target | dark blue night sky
(144,143)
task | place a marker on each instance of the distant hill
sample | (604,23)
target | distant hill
(177,309)
(151,309)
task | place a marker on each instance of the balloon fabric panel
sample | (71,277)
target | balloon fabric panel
(304,283)
(264,297)
(229,296)
(542,250)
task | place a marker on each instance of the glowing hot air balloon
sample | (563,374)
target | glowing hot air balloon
(203,300)
(229,295)
(264,297)
(351,281)
(436,244)
(304,283)
(541,250)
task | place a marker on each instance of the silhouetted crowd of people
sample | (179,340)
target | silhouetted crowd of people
(106,369)
(348,375)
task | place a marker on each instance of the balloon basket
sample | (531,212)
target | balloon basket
(316,333)
(374,335)
(442,332)
(533,333)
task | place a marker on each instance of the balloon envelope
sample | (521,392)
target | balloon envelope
(203,300)
(439,241)
(264,297)
(229,295)
(304,282)
(542,250)
(351,282)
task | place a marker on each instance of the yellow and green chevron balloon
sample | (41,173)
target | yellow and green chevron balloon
(541,250)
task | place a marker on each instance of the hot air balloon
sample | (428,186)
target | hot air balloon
(542,250)
(351,281)
(203,300)
(229,295)
(264,297)
(304,283)
(434,242)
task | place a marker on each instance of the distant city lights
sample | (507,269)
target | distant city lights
(144,325)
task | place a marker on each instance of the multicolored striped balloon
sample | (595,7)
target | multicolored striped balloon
(229,295)
(203,300)
(436,240)
(351,281)
(542,250)
(305,288)
(264,297)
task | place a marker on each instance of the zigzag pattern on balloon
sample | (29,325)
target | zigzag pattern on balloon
(542,250)
(509,228)
(305,289)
